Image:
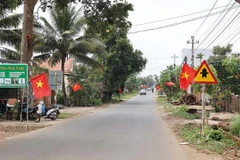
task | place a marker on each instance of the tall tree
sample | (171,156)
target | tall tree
(121,63)
(27,32)
(61,38)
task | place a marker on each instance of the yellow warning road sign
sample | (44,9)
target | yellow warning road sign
(204,75)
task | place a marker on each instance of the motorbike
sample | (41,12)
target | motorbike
(31,113)
(51,112)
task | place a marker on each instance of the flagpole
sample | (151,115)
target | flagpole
(203,108)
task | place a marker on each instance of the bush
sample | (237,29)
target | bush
(214,134)
(216,108)
(97,102)
(235,126)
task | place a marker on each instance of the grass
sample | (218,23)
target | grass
(64,115)
(192,134)
(166,106)
(125,96)
(235,126)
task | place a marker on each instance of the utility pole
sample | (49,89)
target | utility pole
(174,59)
(192,42)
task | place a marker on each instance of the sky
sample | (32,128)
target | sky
(160,45)
(166,40)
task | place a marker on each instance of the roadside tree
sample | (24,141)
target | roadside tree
(62,38)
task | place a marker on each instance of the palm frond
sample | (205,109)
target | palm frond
(54,59)
(9,54)
(41,58)
(89,61)
(11,21)
(48,28)
(11,37)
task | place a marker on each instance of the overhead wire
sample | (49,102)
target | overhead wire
(215,26)
(205,19)
(188,58)
(229,34)
(181,22)
(221,32)
(227,19)
(190,14)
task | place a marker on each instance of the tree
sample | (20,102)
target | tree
(171,74)
(120,64)
(226,78)
(220,53)
(131,83)
(61,39)
(232,78)
(199,56)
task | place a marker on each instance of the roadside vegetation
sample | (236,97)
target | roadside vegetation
(215,140)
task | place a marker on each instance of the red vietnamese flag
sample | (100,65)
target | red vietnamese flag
(186,77)
(40,86)
(76,87)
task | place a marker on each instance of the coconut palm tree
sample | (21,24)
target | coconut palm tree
(61,38)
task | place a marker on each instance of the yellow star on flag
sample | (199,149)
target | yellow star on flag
(39,84)
(185,75)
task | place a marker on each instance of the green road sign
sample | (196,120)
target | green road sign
(13,75)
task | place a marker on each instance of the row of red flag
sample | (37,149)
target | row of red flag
(41,87)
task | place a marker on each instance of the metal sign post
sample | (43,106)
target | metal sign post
(55,82)
(203,108)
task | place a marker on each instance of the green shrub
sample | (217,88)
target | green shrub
(216,108)
(235,126)
(214,134)
(97,102)
(191,134)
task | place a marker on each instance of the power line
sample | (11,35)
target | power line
(229,34)
(225,22)
(182,22)
(211,31)
(205,19)
(221,32)
(141,24)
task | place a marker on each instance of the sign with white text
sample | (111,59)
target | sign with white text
(13,75)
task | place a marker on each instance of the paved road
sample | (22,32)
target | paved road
(132,130)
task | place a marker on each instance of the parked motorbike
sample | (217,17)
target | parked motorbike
(32,114)
(51,112)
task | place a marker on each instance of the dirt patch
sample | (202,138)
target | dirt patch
(12,130)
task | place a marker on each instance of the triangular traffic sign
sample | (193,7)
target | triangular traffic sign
(204,75)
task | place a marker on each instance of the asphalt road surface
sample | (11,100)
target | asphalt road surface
(132,130)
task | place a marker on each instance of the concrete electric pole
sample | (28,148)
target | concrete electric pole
(192,42)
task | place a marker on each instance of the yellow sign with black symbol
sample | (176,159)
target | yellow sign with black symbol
(204,75)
